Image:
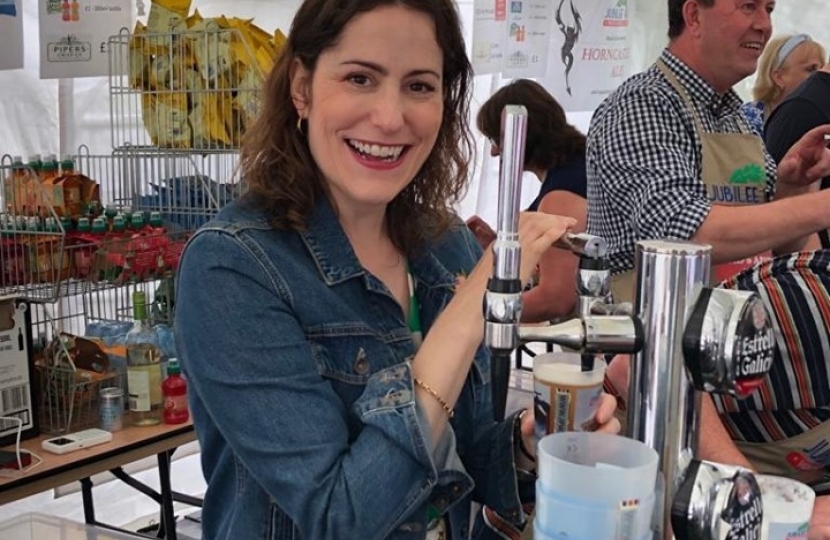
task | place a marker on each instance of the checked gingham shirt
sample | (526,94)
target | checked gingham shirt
(644,159)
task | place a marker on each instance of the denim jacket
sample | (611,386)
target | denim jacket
(301,390)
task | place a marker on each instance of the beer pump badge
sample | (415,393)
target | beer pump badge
(744,511)
(753,347)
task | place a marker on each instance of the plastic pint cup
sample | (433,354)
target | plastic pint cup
(565,397)
(788,505)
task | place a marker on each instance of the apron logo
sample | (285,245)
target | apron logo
(745,187)
(751,173)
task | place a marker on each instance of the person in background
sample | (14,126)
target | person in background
(786,62)
(339,386)
(805,108)
(670,155)
(555,153)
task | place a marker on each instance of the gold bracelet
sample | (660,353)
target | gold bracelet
(433,393)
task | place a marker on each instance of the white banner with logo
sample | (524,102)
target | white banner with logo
(528,38)
(590,52)
(11,28)
(74,34)
(489,35)
(511,36)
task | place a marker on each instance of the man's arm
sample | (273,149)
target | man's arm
(736,232)
(715,443)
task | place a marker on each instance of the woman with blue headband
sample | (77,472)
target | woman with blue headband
(787,61)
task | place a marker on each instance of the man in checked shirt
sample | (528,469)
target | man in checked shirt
(670,155)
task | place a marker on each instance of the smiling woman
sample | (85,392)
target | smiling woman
(345,392)
(376,110)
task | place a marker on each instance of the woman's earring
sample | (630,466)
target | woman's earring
(300,126)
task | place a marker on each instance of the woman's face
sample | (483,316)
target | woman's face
(801,62)
(374,105)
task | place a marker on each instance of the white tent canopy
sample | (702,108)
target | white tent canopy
(56,116)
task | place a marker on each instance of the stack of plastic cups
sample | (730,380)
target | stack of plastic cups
(788,506)
(594,486)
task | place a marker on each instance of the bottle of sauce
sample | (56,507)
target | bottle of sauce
(174,389)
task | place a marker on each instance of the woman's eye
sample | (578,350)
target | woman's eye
(422,87)
(359,80)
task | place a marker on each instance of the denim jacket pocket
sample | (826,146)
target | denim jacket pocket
(348,357)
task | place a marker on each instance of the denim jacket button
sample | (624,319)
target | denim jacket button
(361,366)
(440,502)
(455,488)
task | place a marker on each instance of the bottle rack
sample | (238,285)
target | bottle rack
(45,257)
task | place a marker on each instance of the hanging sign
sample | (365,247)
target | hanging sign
(74,34)
(528,38)
(511,37)
(11,28)
(590,51)
(489,33)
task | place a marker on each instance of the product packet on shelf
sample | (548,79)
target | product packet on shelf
(246,103)
(209,118)
(210,43)
(168,16)
(165,117)
(139,58)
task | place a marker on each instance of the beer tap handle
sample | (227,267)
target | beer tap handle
(595,247)
(503,299)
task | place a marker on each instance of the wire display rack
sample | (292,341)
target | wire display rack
(44,256)
(33,262)
(194,90)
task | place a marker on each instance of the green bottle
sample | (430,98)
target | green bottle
(144,376)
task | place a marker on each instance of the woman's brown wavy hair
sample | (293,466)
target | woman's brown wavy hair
(551,140)
(278,170)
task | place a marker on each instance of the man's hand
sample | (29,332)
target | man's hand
(820,522)
(808,160)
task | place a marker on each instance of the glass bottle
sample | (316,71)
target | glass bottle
(143,367)
(174,389)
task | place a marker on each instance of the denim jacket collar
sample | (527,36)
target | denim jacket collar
(336,260)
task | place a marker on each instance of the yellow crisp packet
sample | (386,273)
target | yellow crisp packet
(193,81)
(180,7)
(264,61)
(213,56)
(247,100)
(165,117)
(167,73)
(139,59)
(165,19)
(207,119)
(194,19)
(259,36)
(279,40)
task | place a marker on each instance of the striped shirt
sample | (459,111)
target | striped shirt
(644,159)
(795,396)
